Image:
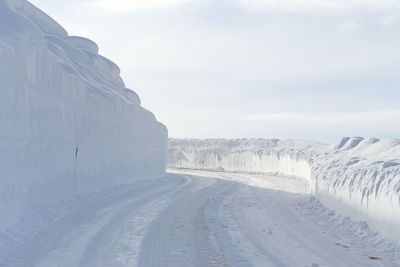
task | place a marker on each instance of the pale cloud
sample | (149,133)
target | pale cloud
(293,5)
(329,118)
(124,6)
(327,7)
(349,26)
(390,20)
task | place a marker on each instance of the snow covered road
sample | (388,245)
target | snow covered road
(198,218)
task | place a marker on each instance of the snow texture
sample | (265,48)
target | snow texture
(359,177)
(68,124)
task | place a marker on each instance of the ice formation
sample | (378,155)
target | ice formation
(68,124)
(359,177)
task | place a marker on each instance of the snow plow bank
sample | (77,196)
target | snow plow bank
(359,177)
(68,125)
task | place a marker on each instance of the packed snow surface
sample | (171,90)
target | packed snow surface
(199,218)
(68,124)
(359,177)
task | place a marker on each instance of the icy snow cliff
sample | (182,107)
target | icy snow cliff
(358,177)
(68,125)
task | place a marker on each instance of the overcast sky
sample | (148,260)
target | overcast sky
(308,69)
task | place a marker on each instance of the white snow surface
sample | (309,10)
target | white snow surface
(68,124)
(359,177)
(199,218)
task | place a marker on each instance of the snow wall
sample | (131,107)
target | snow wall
(358,177)
(68,125)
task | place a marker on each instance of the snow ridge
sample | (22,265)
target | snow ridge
(359,177)
(68,124)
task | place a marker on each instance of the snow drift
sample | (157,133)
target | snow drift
(358,177)
(68,125)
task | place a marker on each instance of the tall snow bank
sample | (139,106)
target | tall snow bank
(358,177)
(361,179)
(68,125)
(289,157)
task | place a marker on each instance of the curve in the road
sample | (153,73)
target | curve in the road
(193,219)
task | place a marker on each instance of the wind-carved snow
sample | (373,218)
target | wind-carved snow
(359,178)
(363,181)
(68,124)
